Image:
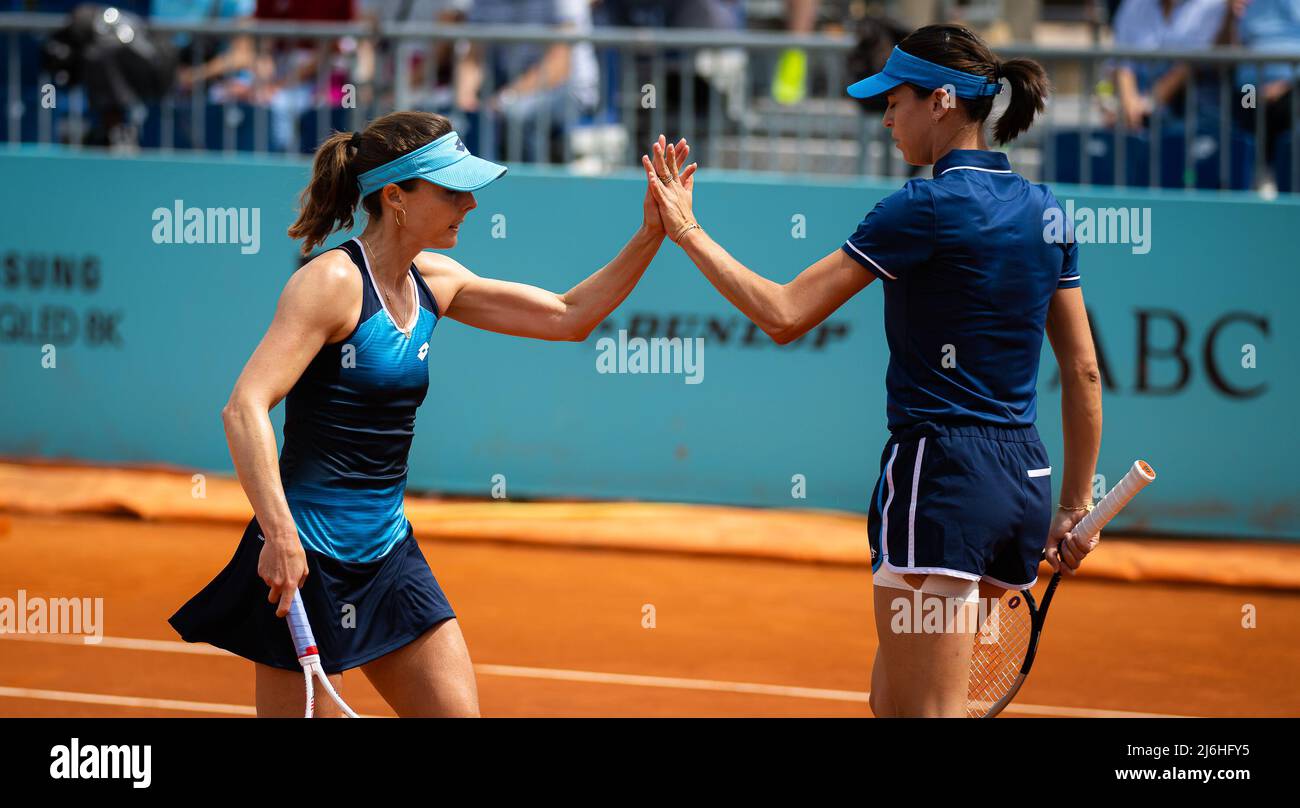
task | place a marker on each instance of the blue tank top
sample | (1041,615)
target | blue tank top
(348,425)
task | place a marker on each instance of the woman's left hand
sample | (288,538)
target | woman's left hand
(653,222)
(672,191)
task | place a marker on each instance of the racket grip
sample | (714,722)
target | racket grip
(303,641)
(1137,478)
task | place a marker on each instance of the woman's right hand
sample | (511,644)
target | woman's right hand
(282,565)
(672,189)
(1065,551)
(652,221)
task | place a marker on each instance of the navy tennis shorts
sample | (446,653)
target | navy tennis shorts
(359,611)
(972,501)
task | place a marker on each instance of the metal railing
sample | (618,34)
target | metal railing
(712,87)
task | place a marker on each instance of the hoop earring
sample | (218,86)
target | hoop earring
(401,218)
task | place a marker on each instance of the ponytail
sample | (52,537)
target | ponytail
(960,48)
(329,200)
(1029,87)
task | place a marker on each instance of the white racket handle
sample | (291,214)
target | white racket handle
(1138,477)
(309,657)
(303,641)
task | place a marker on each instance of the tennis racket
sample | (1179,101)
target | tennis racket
(305,645)
(1008,638)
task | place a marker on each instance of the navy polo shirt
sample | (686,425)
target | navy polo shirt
(969,267)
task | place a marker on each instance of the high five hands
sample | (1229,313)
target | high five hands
(670,186)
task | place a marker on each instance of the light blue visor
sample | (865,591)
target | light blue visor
(446,162)
(904,68)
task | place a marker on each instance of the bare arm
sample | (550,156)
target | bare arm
(785,312)
(528,311)
(1071,338)
(237,57)
(551,71)
(1229,32)
(1131,105)
(802,16)
(315,306)
(1168,85)
(469,78)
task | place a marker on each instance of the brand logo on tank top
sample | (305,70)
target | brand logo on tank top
(424,351)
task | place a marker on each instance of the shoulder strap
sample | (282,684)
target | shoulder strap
(369,295)
(425,293)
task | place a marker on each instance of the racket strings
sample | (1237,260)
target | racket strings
(999,651)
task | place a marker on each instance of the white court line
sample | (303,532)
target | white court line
(671,682)
(772,690)
(553,674)
(128,643)
(125,701)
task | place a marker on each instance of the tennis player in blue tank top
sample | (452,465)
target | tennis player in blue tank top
(963,507)
(349,351)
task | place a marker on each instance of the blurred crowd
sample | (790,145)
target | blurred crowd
(519,86)
(1267,26)
(1150,98)
(535,93)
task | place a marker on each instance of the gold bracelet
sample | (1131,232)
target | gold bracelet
(1062,506)
(688,228)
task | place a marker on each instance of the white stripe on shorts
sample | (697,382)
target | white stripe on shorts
(911,511)
(884,513)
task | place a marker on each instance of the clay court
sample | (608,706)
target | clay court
(756,612)
(1070,232)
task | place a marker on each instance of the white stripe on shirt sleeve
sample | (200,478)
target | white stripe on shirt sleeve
(849,244)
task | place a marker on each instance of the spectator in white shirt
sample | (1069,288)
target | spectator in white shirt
(1157,25)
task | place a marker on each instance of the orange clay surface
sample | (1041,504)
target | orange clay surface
(561,630)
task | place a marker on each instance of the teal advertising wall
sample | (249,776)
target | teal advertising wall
(150,337)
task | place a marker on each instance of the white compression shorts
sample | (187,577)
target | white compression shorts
(941,585)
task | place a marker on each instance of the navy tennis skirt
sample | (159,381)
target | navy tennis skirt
(358,611)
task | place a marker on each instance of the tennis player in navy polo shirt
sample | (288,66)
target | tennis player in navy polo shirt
(963,507)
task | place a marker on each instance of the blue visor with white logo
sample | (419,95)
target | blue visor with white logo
(446,162)
(904,68)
